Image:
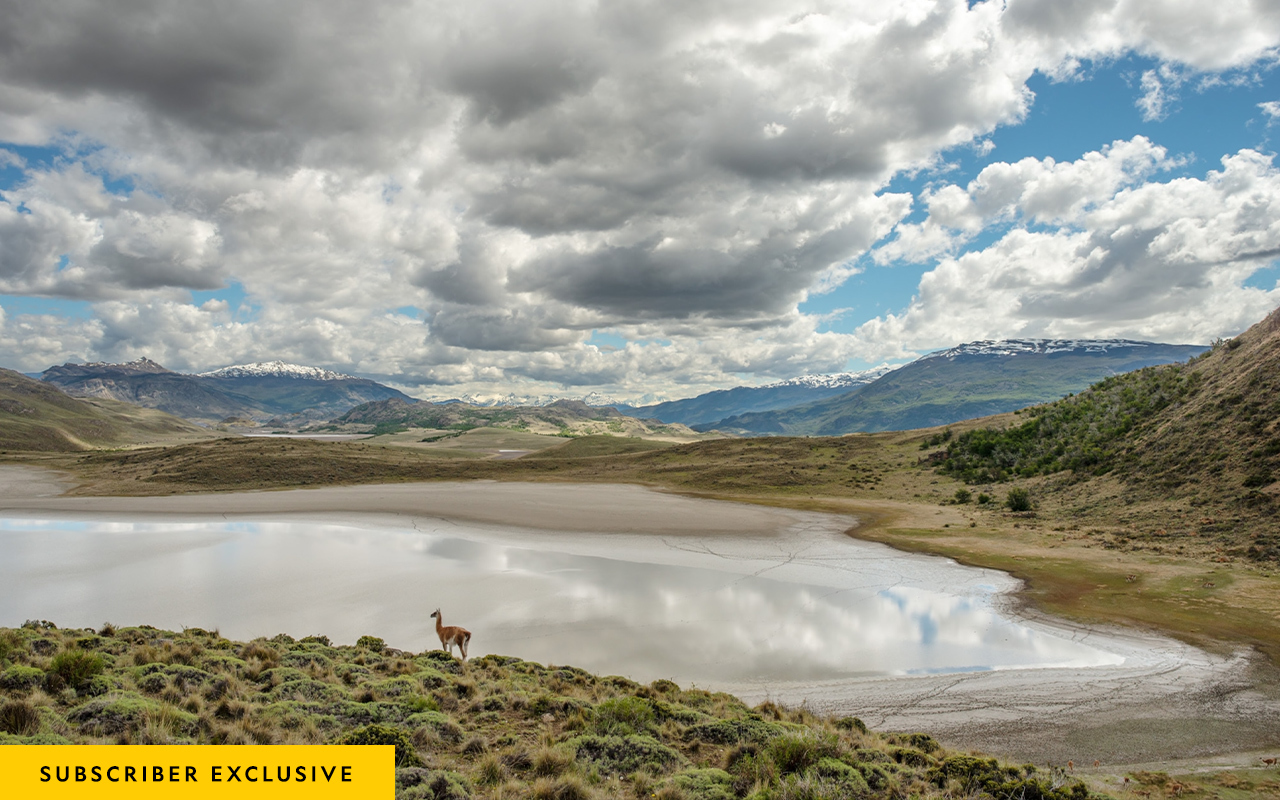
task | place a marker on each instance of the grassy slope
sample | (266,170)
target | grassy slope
(496,727)
(1193,451)
(35,416)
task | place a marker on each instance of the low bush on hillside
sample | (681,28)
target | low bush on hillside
(1085,432)
(494,727)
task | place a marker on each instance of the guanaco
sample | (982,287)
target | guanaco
(451,635)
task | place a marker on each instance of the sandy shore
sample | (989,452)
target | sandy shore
(1166,701)
(611,508)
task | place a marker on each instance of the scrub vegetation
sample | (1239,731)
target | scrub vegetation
(494,727)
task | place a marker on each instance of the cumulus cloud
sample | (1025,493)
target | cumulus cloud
(1164,261)
(524,174)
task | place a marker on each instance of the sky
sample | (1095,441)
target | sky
(646,199)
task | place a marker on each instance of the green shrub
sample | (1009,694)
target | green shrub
(307,689)
(623,716)
(987,776)
(39,738)
(622,755)
(385,734)
(21,678)
(75,667)
(705,784)
(983,498)
(962,496)
(108,716)
(96,686)
(920,741)
(1018,499)
(838,772)
(371,643)
(732,731)
(911,757)
(304,660)
(796,752)
(851,724)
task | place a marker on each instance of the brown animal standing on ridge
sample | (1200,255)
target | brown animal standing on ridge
(1270,762)
(451,635)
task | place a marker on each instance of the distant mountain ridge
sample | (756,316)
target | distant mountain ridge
(276,369)
(715,406)
(975,379)
(1010,347)
(267,392)
(35,416)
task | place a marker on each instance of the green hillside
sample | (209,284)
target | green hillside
(1204,434)
(35,416)
(942,389)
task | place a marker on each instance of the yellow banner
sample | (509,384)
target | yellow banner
(351,772)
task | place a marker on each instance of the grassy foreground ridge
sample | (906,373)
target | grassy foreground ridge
(494,727)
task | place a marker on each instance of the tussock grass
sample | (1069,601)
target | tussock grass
(458,729)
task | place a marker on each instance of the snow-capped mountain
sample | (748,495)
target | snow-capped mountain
(143,364)
(272,391)
(1013,347)
(974,379)
(722,403)
(276,369)
(835,380)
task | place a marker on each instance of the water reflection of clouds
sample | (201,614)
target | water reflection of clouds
(709,612)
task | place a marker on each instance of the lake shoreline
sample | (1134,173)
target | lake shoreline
(1205,705)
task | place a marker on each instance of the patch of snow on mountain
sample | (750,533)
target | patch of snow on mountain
(1013,347)
(143,364)
(277,369)
(836,380)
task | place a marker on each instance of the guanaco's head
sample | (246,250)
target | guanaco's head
(435,613)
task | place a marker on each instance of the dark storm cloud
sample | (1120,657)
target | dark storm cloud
(520,63)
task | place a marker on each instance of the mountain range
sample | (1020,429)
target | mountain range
(35,416)
(270,392)
(712,407)
(970,380)
(976,379)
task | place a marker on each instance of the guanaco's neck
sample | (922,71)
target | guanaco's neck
(439,622)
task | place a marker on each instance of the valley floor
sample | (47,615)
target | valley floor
(1191,706)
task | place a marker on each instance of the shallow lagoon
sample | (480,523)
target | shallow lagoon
(809,605)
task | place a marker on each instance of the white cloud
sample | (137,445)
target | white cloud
(1034,191)
(528,173)
(1160,261)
